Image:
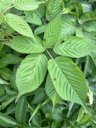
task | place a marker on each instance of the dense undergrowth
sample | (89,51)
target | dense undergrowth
(48,63)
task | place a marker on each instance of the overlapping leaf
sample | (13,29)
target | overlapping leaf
(75,47)
(53,9)
(90,26)
(7,121)
(26,45)
(25,5)
(21,110)
(68,80)
(51,92)
(91,38)
(67,26)
(52,32)
(93,55)
(33,18)
(18,24)
(5,4)
(1,46)
(9,59)
(31,73)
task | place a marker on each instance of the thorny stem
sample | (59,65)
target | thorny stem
(49,54)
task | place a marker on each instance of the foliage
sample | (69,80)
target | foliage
(47,63)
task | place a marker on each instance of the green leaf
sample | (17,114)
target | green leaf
(2,90)
(75,47)
(83,118)
(79,32)
(9,59)
(93,56)
(10,110)
(40,29)
(5,4)
(86,7)
(86,17)
(26,5)
(53,9)
(52,32)
(36,120)
(6,73)
(20,111)
(8,101)
(26,45)
(90,26)
(68,80)
(33,18)
(90,37)
(80,115)
(31,73)
(51,92)
(18,24)
(67,27)
(39,96)
(7,121)
(3,81)
(89,67)
(1,46)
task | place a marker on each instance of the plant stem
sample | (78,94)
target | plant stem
(45,102)
(49,54)
(37,108)
(33,114)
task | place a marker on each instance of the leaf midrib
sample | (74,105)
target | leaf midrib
(68,81)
